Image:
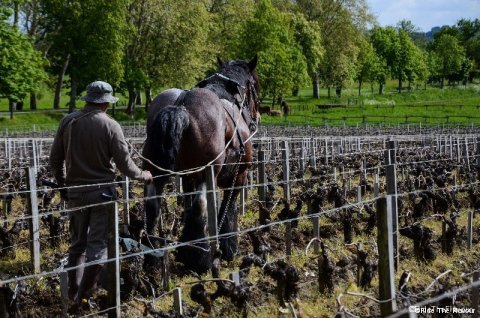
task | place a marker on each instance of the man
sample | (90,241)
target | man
(81,159)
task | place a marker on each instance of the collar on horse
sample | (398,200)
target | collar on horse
(239,98)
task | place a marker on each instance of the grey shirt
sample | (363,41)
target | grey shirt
(86,145)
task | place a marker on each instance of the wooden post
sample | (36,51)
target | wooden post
(316,230)
(458,151)
(359,194)
(113,266)
(243,199)
(326,151)
(126,199)
(34,223)
(475,295)
(286,171)
(64,292)
(375,186)
(313,157)
(477,153)
(262,189)
(177,302)
(469,229)
(359,266)
(451,147)
(9,154)
(465,154)
(391,176)
(212,209)
(33,155)
(302,157)
(385,255)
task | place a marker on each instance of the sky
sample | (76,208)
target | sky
(425,14)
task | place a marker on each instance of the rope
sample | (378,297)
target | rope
(192,170)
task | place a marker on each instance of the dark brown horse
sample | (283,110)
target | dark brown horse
(210,124)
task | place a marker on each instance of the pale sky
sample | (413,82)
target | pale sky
(425,14)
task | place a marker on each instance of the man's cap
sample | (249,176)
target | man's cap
(99,92)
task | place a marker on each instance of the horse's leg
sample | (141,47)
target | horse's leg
(195,256)
(228,218)
(152,192)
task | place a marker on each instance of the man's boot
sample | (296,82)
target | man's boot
(74,275)
(89,279)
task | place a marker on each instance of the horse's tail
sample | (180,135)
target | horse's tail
(166,133)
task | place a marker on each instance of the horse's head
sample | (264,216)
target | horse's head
(244,74)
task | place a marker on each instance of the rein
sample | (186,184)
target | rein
(243,104)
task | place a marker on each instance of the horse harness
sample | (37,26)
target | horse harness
(241,101)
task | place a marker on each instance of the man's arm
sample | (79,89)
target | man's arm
(57,157)
(121,156)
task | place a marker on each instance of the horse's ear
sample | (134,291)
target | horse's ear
(253,63)
(220,62)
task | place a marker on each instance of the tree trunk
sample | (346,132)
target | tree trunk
(328,90)
(380,89)
(316,87)
(16,13)
(73,93)
(12,105)
(20,105)
(33,101)
(148,97)
(139,98)
(400,83)
(359,87)
(371,88)
(58,86)
(338,91)
(442,82)
(132,98)
(295,91)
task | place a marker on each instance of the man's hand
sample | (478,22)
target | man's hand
(147,176)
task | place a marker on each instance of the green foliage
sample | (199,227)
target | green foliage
(167,43)
(21,66)
(282,64)
(469,36)
(93,33)
(449,55)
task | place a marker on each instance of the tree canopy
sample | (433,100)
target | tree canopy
(147,45)
(21,66)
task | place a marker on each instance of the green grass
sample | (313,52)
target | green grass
(430,106)
(450,105)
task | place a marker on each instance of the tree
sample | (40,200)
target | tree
(469,36)
(21,66)
(307,35)
(365,63)
(167,45)
(282,65)
(92,35)
(449,54)
(414,32)
(341,23)
(229,17)
(405,59)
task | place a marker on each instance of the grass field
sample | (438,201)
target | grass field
(431,105)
